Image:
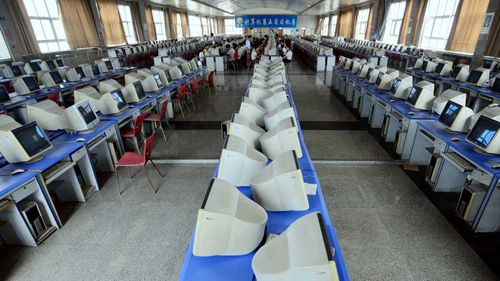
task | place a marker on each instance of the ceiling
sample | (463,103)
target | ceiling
(234,7)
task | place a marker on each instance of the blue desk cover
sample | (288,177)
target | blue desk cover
(100,128)
(120,116)
(9,183)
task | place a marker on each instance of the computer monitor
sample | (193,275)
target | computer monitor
(496,85)
(479,76)
(455,117)
(484,135)
(95,70)
(272,101)
(105,66)
(418,64)
(245,129)
(252,111)
(81,117)
(134,92)
(282,178)
(229,223)
(375,72)
(421,95)
(21,143)
(303,251)
(50,64)
(449,95)
(491,111)
(108,86)
(163,80)
(163,70)
(283,137)
(460,72)
(385,80)
(48,114)
(239,161)
(88,93)
(26,85)
(282,111)
(112,102)
(185,68)
(75,74)
(52,78)
(401,85)
(59,62)
(32,67)
(16,70)
(4,95)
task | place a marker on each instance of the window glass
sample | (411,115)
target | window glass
(333,28)
(4,51)
(361,23)
(230,28)
(324,28)
(194,26)
(179,27)
(159,21)
(393,23)
(128,24)
(438,20)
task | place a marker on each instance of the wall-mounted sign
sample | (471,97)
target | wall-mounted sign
(263,21)
(488,19)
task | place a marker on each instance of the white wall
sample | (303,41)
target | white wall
(309,22)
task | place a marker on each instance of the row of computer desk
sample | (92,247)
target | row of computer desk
(231,268)
(318,62)
(417,136)
(68,170)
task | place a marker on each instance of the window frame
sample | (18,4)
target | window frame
(326,26)
(58,40)
(333,25)
(180,34)
(233,30)
(131,38)
(196,25)
(159,25)
(4,45)
(362,23)
(393,25)
(440,16)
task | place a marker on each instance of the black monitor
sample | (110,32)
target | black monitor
(51,64)
(139,90)
(56,77)
(351,65)
(31,83)
(158,80)
(109,66)
(35,66)
(87,113)
(119,99)
(122,62)
(439,67)
(4,95)
(413,95)
(424,65)
(59,62)
(32,138)
(180,68)
(369,72)
(16,70)
(80,72)
(449,113)
(95,70)
(474,76)
(455,72)
(487,64)
(483,132)
(395,85)
(379,78)
(496,85)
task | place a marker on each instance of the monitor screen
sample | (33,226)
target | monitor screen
(164,59)
(87,113)
(369,72)
(95,70)
(31,138)
(496,85)
(487,63)
(35,66)
(424,65)
(379,78)
(56,77)
(455,72)
(158,80)
(122,62)
(439,67)
(109,66)
(395,85)
(80,72)
(413,95)
(59,62)
(4,95)
(50,64)
(139,89)
(16,70)
(31,83)
(449,113)
(119,99)
(180,68)
(483,132)
(351,65)
(474,76)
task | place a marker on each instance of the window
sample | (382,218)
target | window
(361,23)
(204,25)
(438,19)
(128,24)
(213,27)
(159,21)
(230,29)
(180,35)
(194,26)
(333,29)
(47,25)
(393,23)
(4,51)
(324,28)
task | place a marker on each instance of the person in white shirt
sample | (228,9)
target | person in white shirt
(241,52)
(288,56)
(253,56)
(284,49)
(248,43)
(230,53)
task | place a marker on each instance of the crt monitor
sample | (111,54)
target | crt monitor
(133,92)
(81,117)
(455,71)
(26,85)
(35,66)
(455,117)
(413,95)
(109,65)
(474,76)
(79,71)
(139,90)
(119,99)
(16,70)
(56,77)
(32,139)
(4,95)
(484,135)
(496,85)
(51,64)
(379,78)
(439,67)
(95,70)
(59,62)
(157,78)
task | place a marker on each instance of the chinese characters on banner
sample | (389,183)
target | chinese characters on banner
(284,21)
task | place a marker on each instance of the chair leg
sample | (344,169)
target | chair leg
(162,131)
(136,143)
(149,179)
(117,182)
(157,169)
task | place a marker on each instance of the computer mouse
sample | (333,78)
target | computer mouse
(455,139)
(130,106)
(411,113)
(392,100)
(495,166)
(17,171)
(80,139)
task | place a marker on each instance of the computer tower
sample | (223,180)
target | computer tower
(399,142)
(33,218)
(470,200)
(432,169)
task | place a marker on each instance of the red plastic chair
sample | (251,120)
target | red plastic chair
(185,92)
(131,159)
(133,133)
(211,79)
(158,118)
(195,86)
(205,83)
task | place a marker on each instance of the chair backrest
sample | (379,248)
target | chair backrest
(163,110)
(183,89)
(148,147)
(195,83)
(138,123)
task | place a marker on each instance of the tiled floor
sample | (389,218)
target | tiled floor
(387,228)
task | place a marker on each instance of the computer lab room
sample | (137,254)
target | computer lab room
(250,140)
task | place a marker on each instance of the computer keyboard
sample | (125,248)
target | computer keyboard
(47,174)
